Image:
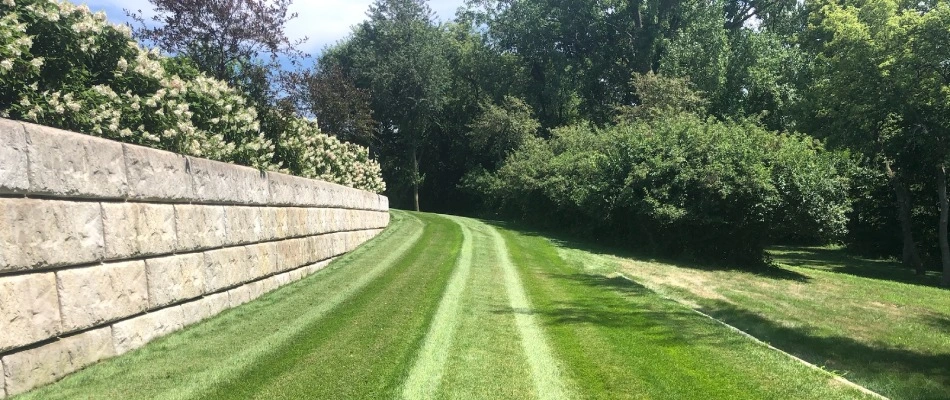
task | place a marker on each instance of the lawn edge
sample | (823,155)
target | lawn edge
(836,377)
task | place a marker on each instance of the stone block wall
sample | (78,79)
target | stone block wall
(105,246)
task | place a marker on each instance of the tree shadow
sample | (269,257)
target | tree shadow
(621,304)
(607,248)
(896,372)
(840,261)
(938,322)
(892,371)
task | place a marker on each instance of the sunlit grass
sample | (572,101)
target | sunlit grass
(622,340)
(871,321)
(440,307)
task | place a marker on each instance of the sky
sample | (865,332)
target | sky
(324,22)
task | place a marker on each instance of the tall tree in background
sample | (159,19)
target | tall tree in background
(341,108)
(398,54)
(238,41)
(884,87)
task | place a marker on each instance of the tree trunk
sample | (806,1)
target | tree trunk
(415,177)
(910,256)
(944,211)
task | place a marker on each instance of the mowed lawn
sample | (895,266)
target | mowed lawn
(448,307)
(871,321)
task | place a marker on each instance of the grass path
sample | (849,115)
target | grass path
(454,308)
(427,372)
(545,368)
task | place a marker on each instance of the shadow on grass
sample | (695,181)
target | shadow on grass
(625,306)
(561,239)
(909,374)
(838,260)
(892,371)
(939,322)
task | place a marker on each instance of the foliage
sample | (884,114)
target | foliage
(64,66)
(398,54)
(500,129)
(339,106)
(238,41)
(662,95)
(680,184)
(883,88)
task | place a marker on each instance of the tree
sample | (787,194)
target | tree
(398,54)
(662,95)
(238,41)
(500,129)
(884,87)
(341,108)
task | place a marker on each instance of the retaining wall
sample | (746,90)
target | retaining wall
(105,246)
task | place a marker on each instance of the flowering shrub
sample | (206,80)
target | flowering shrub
(62,65)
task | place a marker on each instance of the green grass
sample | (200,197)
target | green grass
(624,341)
(447,307)
(871,321)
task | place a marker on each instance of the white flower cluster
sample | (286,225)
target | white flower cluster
(317,155)
(149,99)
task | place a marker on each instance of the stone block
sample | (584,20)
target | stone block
(314,218)
(256,289)
(239,295)
(329,195)
(93,295)
(133,333)
(38,366)
(200,227)
(268,223)
(218,302)
(138,229)
(194,311)
(157,175)
(71,164)
(118,229)
(337,244)
(281,222)
(270,284)
(244,224)
(297,222)
(225,267)
(262,259)
(293,253)
(14,169)
(227,183)
(3,386)
(282,279)
(48,233)
(292,190)
(204,308)
(296,274)
(175,278)
(320,247)
(316,267)
(29,309)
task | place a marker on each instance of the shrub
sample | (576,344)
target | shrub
(680,185)
(63,66)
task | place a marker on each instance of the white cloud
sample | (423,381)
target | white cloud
(324,22)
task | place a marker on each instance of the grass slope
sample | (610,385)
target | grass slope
(447,307)
(620,340)
(181,365)
(871,321)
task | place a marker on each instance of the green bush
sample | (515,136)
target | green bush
(680,185)
(63,66)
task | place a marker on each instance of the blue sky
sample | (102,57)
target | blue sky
(323,21)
